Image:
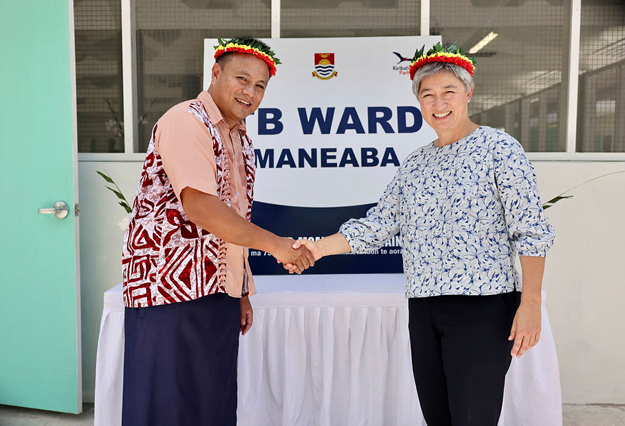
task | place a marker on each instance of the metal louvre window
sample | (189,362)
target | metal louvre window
(519,66)
(99,75)
(601,127)
(339,18)
(523,80)
(170,48)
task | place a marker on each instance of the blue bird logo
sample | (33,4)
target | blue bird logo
(401,58)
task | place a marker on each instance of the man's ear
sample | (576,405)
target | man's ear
(215,71)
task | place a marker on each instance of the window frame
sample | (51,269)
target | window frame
(570,83)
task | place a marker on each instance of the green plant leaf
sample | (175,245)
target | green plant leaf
(105,177)
(124,203)
(555,200)
(119,194)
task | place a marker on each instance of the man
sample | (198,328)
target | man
(187,278)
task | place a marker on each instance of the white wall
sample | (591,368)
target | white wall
(100,249)
(584,280)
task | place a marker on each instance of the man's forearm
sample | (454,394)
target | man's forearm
(213,215)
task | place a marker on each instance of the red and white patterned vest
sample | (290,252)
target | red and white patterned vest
(166,258)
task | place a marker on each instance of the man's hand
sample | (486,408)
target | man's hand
(526,327)
(303,244)
(247,315)
(299,260)
(310,245)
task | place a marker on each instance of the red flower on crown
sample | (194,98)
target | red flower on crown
(451,54)
(257,49)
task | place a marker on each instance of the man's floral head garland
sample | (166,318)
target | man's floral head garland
(451,54)
(249,46)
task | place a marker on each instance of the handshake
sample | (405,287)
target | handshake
(297,255)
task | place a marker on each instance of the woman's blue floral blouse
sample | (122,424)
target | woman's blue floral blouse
(463,211)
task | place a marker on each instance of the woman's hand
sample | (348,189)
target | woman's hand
(526,327)
(334,244)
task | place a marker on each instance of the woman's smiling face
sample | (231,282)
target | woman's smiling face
(445,104)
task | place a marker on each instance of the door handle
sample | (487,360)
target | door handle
(60,210)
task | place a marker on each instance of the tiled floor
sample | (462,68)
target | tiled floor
(574,415)
(593,415)
(14,416)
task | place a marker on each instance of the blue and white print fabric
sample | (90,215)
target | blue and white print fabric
(463,212)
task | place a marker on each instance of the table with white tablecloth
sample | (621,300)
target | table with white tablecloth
(330,350)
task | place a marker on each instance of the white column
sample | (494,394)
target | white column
(570,74)
(425,17)
(275,18)
(129,49)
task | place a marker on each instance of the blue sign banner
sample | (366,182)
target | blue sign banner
(321,221)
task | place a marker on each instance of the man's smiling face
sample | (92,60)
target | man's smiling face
(238,86)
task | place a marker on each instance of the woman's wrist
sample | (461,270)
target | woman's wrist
(531,299)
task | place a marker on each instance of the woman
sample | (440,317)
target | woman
(464,205)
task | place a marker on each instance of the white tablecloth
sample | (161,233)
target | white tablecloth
(330,350)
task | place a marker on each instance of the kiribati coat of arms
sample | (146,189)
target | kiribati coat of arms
(324,66)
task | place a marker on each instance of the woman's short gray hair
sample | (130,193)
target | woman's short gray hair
(430,69)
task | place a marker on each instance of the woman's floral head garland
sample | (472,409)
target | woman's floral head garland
(451,54)
(249,46)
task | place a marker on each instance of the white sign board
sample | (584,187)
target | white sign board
(336,121)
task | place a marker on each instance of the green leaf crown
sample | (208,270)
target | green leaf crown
(450,53)
(250,46)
